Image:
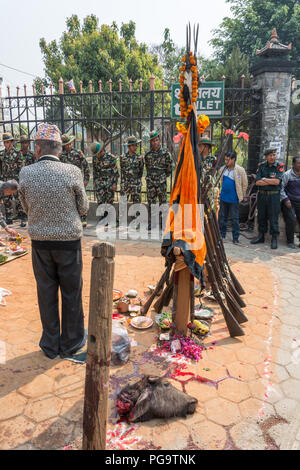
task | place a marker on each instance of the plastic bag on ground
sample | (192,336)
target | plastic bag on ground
(120,344)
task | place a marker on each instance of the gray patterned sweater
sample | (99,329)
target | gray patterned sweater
(53,197)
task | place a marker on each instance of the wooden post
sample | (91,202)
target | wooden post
(243,80)
(100,86)
(141,84)
(25,90)
(99,348)
(18,90)
(130,84)
(183,294)
(91,86)
(8,91)
(120,84)
(110,85)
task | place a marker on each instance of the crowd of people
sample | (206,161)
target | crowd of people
(277,190)
(49,188)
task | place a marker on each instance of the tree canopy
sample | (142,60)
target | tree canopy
(90,51)
(252,25)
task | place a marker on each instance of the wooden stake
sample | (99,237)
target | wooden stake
(183,295)
(91,86)
(110,85)
(141,84)
(99,348)
(130,85)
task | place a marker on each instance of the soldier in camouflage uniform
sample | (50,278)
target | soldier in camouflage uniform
(106,174)
(132,167)
(77,158)
(159,165)
(205,150)
(25,153)
(11,164)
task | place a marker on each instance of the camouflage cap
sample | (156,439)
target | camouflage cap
(132,140)
(48,131)
(153,135)
(97,147)
(206,141)
(270,150)
(67,139)
(24,138)
(7,136)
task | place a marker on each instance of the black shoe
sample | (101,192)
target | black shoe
(149,228)
(23,223)
(274,243)
(291,245)
(259,239)
(9,221)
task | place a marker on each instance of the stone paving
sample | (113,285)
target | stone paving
(248,390)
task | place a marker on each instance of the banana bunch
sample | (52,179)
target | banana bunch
(198,328)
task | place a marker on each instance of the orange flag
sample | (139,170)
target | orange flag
(184,223)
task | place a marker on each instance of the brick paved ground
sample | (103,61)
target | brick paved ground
(253,389)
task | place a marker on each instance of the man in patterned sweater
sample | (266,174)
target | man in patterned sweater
(77,158)
(53,196)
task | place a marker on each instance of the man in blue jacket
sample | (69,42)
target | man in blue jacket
(290,200)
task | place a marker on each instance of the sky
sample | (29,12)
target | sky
(23,23)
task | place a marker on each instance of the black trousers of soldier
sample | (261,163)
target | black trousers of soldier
(290,217)
(268,206)
(53,270)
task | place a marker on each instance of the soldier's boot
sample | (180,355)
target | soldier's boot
(9,221)
(274,243)
(259,239)
(23,223)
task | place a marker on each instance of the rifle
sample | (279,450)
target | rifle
(235,286)
(165,298)
(232,324)
(158,288)
(234,307)
(220,245)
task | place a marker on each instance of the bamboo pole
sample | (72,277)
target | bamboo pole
(99,347)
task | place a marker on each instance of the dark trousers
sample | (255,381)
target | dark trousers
(232,210)
(268,206)
(290,217)
(54,269)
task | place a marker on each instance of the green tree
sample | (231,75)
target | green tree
(235,65)
(251,26)
(89,51)
(169,57)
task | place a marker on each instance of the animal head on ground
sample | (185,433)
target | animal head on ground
(153,397)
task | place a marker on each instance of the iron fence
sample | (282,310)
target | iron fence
(113,116)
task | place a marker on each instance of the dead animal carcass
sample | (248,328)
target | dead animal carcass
(153,397)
